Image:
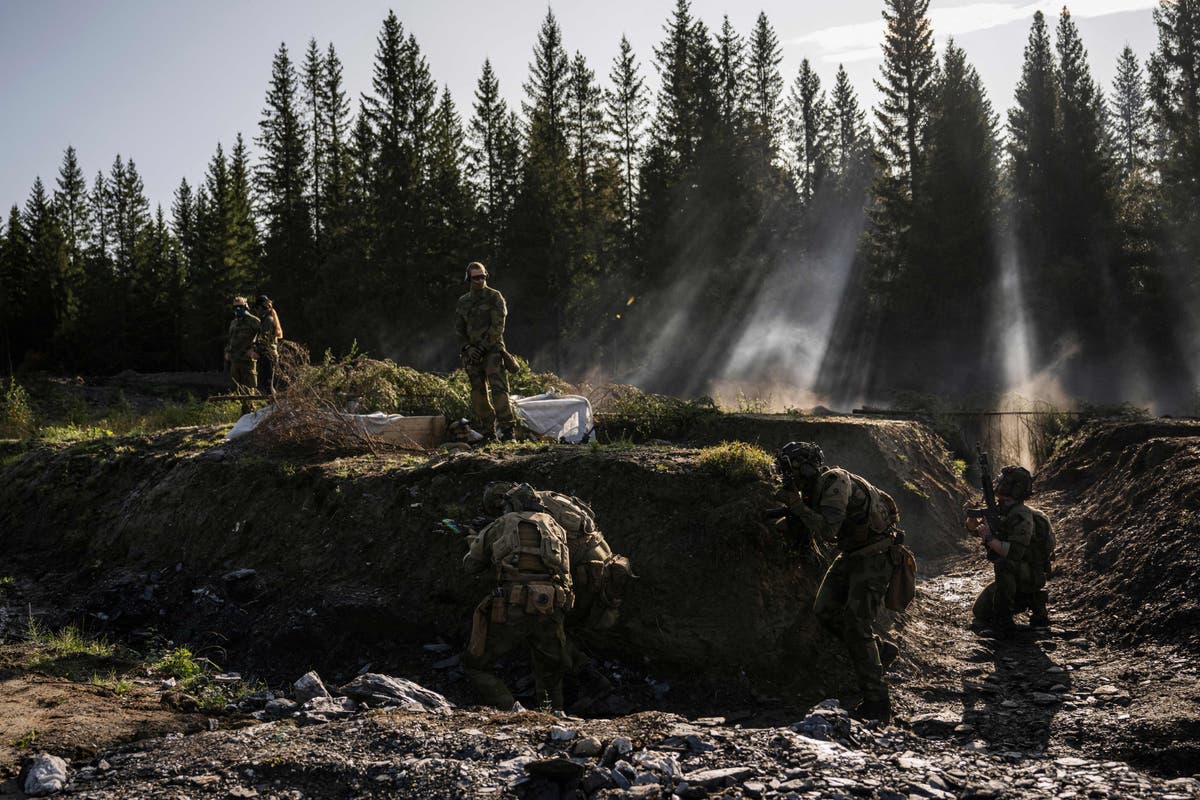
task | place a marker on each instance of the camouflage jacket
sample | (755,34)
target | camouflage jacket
(493,547)
(836,509)
(243,330)
(1016,528)
(479,318)
(268,333)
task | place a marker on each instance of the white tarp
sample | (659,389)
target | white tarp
(567,417)
(378,424)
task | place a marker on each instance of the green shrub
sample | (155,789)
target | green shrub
(179,664)
(17,419)
(737,462)
(631,411)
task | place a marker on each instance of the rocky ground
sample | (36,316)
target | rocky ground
(1041,715)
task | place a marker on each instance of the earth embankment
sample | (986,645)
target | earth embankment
(286,563)
(1127,497)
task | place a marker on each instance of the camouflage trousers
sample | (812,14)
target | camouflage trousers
(847,604)
(487,376)
(268,358)
(1017,587)
(245,380)
(543,635)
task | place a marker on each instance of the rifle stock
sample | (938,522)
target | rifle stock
(991,511)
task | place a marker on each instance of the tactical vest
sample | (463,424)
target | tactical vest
(870,511)
(531,548)
(1041,546)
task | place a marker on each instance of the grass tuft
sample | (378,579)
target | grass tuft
(737,462)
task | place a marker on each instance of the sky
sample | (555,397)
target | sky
(164,82)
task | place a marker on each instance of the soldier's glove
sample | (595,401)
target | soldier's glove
(473,353)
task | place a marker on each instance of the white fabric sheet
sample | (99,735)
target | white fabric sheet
(567,417)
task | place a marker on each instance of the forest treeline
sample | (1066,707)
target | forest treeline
(632,232)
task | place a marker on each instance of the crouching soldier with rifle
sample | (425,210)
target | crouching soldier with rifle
(531,559)
(1019,541)
(832,504)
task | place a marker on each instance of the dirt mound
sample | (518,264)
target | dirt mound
(349,565)
(1127,503)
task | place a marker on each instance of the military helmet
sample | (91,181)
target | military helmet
(522,497)
(239,301)
(263,300)
(493,495)
(1014,481)
(798,455)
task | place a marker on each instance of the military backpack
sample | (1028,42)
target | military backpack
(1043,542)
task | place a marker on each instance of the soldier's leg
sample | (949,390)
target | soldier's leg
(1040,614)
(981,612)
(245,380)
(502,639)
(548,648)
(266,373)
(830,604)
(482,408)
(868,582)
(1005,597)
(497,379)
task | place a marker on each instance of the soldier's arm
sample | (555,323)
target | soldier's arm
(479,556)
(1016,532)
(278,325)
(460,324)
(834,495)
(495,331)
(229,340)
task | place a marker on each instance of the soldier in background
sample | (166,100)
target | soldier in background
(479,321)
(239,351)
(267,343)
(528,552)
(1021,548)
(838,506)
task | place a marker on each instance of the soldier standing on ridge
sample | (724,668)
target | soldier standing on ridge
(528,552)
(844,508)
(479,320)
(267,343)
(239,351)
(1021,551)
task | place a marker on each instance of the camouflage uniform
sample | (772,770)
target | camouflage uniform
(526,609)
(1020,576)
(479,320)
(598,575)
(239,349)
(267,346)
(836,506)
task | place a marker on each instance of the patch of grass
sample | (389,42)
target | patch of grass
(912,487)
(744,404)
(25,741)
(6,584)
(68,641)
(119,686)
(960,468)
(738,462)
(179,663)
(120,419)
(649,416)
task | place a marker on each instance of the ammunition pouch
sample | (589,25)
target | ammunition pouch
(902,587)
(539,599)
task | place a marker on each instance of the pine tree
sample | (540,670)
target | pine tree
(492,159)
(907,78)
(283,178)
(1129,113)
(315,109)
(731,78)
(45,257)
(808,136)
(676,125)
(847,137)
(627,104)
(449,208)
(338,162)
(243,254)
(101,228)
(16,331)
(1032,142)
(585,129)
(131,214)
(765,87)
(953,265)
(74,220)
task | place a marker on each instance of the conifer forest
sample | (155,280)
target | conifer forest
(678,219)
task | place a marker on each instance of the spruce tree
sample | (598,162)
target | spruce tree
(732,78)
(337,163)
(765,85)
(74,220)
(16,287)
(1032,144)
(808,116)
(585,130)
(283,177)
(315,109)
(1129,113)
(492,165)
(627,104)
(847,137)
(45,256)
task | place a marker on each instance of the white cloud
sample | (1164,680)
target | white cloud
(860,41)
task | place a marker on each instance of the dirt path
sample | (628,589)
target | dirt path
(1061,693)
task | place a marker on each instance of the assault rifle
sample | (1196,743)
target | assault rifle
(991,511)
(799,534)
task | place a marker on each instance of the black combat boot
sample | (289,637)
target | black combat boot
(879,711)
